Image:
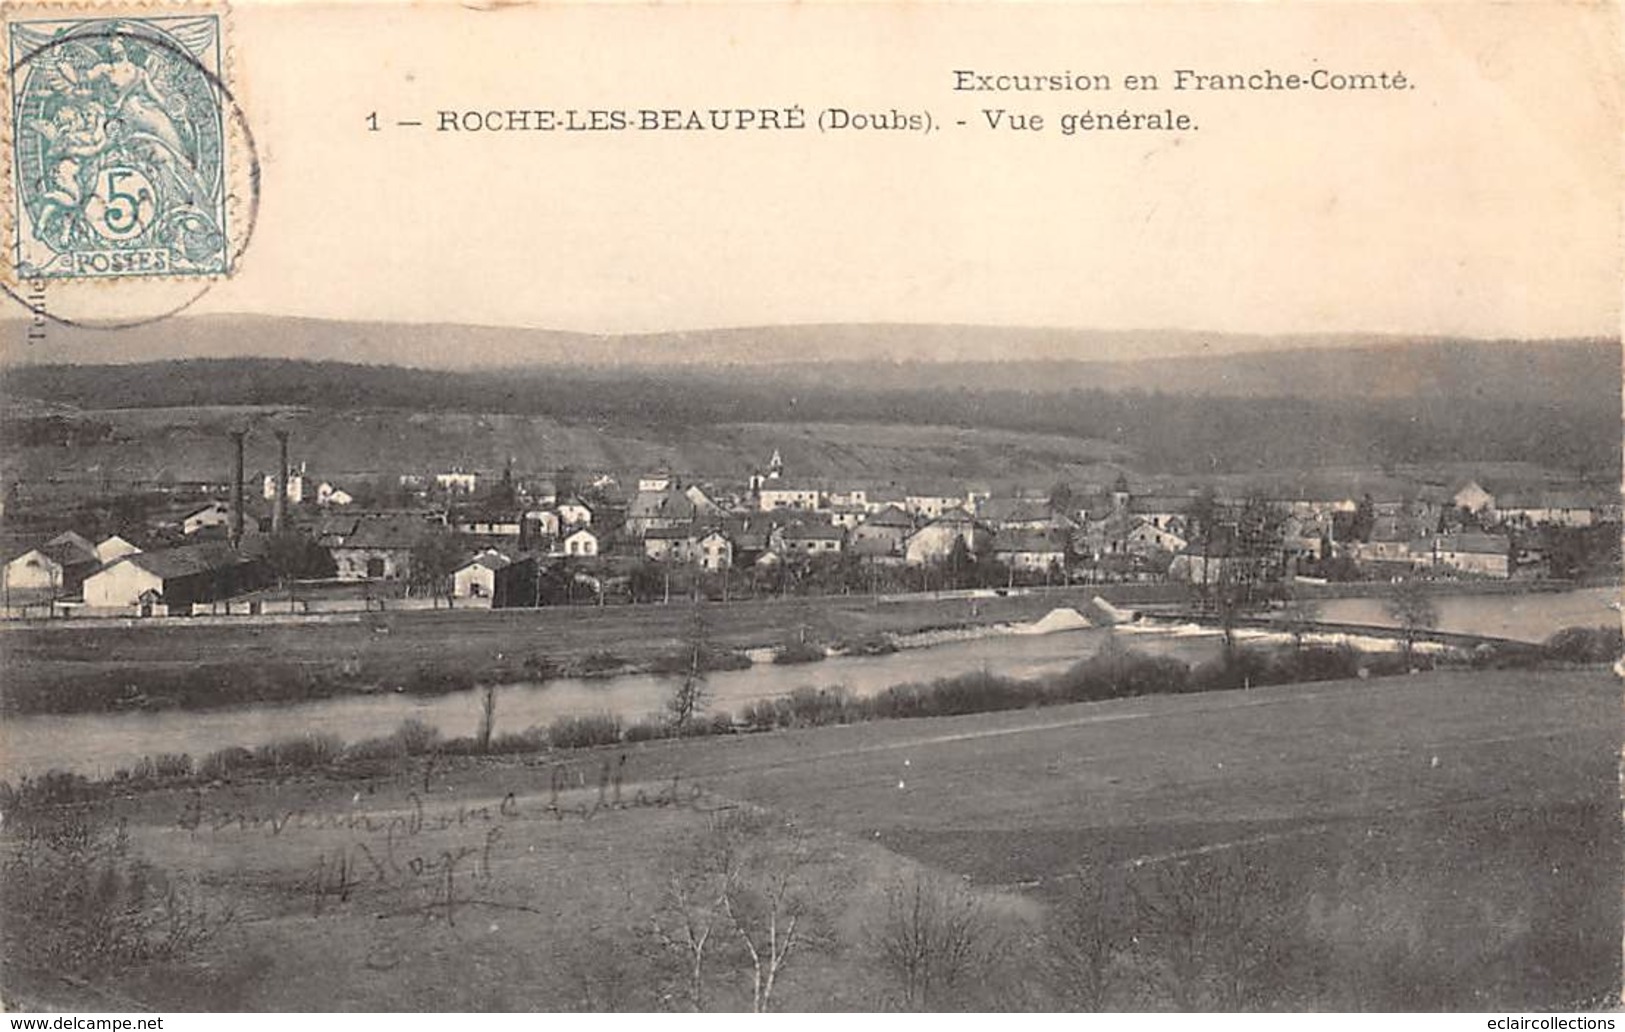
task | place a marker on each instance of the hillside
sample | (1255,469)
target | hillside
(143,416)
(894,356)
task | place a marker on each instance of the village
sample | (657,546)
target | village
(469,539)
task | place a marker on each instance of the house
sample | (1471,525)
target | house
(374,547)
(931,501)
(58,567)
(1472,497)
(1544,508)
(113,549)
(494,576)
(543,522)
(879,499)
(215,514)
(1478,555)
(662,510)
(846,515)
(574,512)
(714,550)
(579,543)
(1145,537)
(1024,549)
(779,494)
(327,494)
(891,525)
(1026,514)
(296,486)
(750,536)
(655,483)
(1164,512)
(849,496)
(934,541)
(1392,541)
(175,578)
(487,523)
(457,481)
(668,544)
(812,538)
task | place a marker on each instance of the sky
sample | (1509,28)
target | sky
(1485,201)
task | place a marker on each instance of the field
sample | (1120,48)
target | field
(1442,841)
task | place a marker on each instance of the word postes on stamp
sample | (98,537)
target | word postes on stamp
(119,147)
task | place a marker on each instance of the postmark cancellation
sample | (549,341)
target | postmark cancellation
(121,145)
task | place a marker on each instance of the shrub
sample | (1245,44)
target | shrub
(817,707)
(584,732)
(1585,645)
(648,731)
(710,658)
(794,652)
(302,752)
(164,765)
(1115,672)
(416,737)
(53,788)
(223,763)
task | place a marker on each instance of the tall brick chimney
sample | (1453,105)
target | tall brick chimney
(279,509)
(237,487)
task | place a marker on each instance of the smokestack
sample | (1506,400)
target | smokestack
(279,509)
(237,488)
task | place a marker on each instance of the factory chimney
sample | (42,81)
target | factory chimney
(237,488)
(279,509)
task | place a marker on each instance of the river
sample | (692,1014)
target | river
(98,744)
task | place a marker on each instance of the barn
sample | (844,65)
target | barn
(175,578)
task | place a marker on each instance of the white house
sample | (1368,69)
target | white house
(296,486)
(936,539)
(215,514)
(715,551)
(114,549)
(574,513)
(581,542)
(33,569)
(1472,497)
(327,494)
(655,482)
(478,577)
(457,481)
(778,494)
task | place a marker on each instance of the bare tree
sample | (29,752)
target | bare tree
(1414,610)
(1214,929)
(692,914)
(689,697)
(488,717)
(1082,942)
(933,935)
(768,917)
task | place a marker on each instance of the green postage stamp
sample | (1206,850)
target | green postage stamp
(120,146)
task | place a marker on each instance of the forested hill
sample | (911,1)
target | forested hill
(1556,422)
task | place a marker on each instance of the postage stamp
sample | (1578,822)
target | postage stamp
(120,147)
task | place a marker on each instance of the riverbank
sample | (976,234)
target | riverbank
(169,664)
(1379,854)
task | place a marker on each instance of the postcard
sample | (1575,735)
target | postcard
(810,507)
